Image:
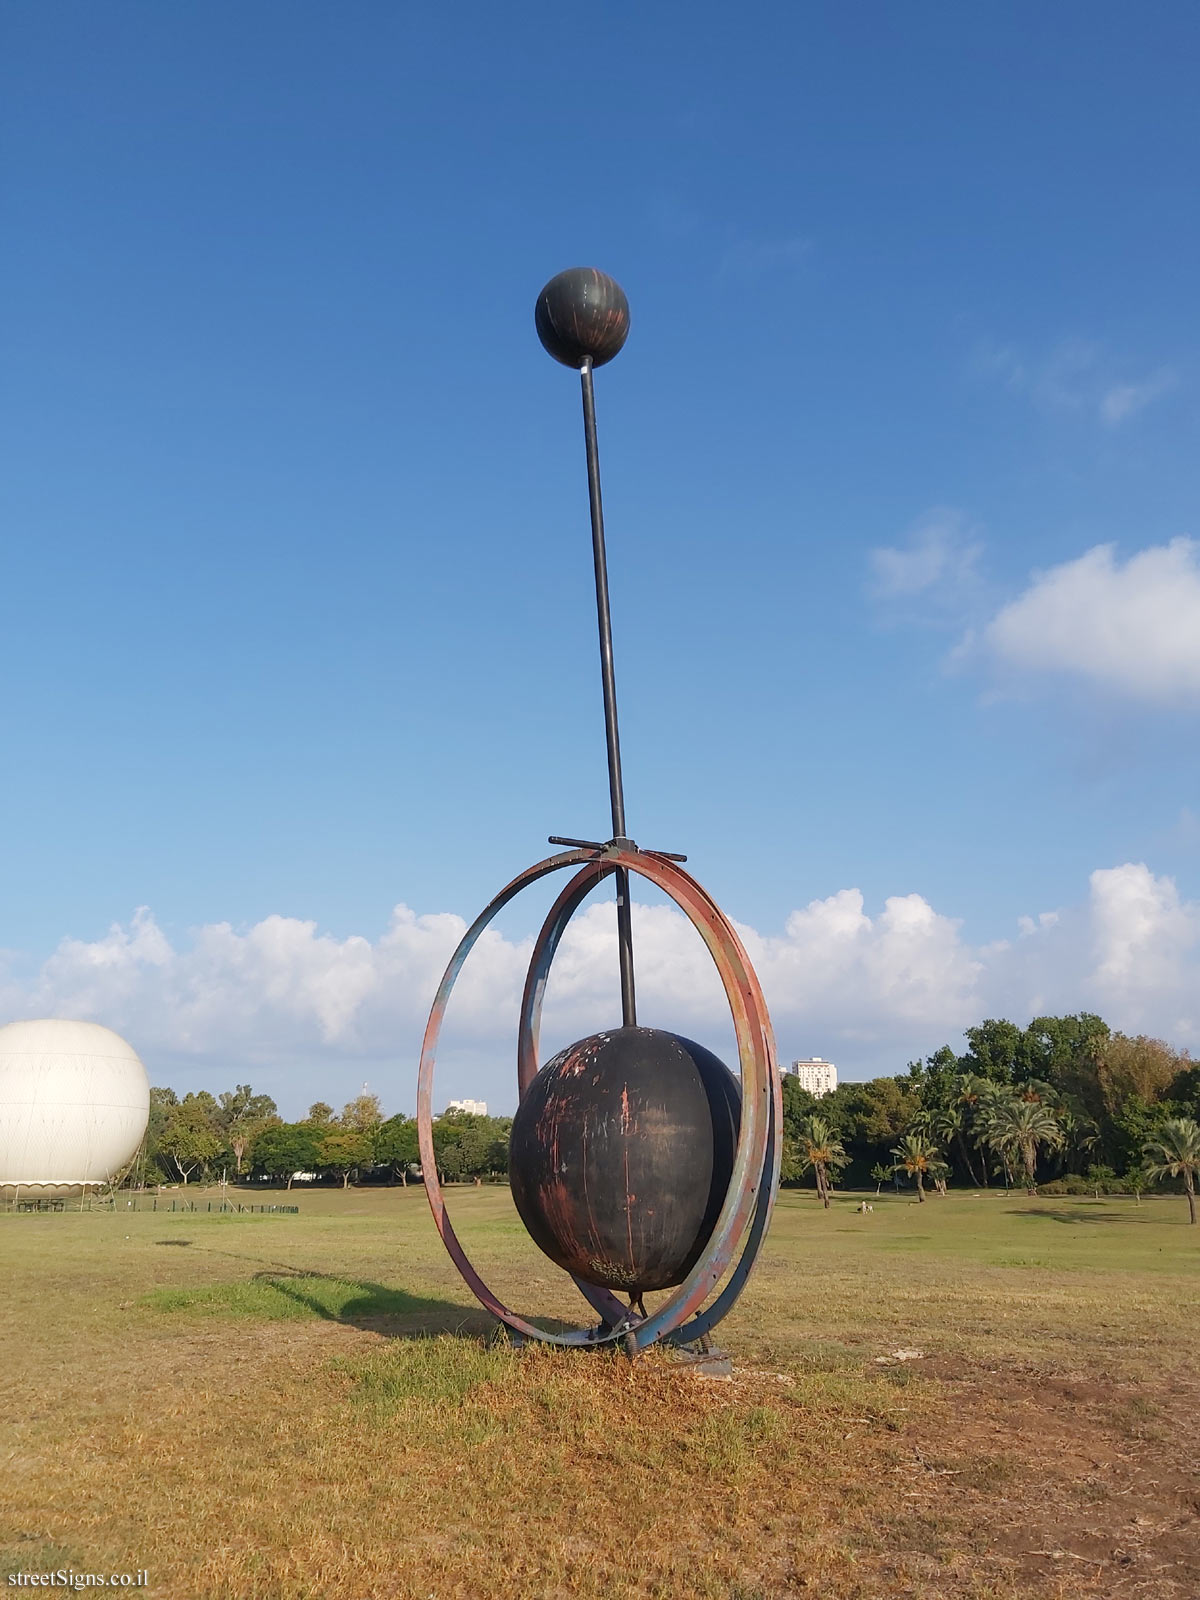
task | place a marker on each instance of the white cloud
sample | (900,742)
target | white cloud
(1000,362)
(1125,400)
(1133,627)
(305,1015)
(1146,939)
(1077,377)
(1069,378)
(937,564)
(903,970)
(1185,831)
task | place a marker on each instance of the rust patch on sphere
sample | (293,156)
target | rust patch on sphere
(621,1155)
(582,314)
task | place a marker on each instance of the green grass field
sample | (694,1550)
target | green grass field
(312,1405)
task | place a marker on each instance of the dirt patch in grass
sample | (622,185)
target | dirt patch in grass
(1082,1485)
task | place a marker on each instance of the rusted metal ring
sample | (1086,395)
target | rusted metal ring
(756,1163)
(545,947)
(614,1312)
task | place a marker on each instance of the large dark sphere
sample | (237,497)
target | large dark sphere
(621,1155)
(582,313)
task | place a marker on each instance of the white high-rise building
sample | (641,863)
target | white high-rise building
(817,1076)
(476,1108)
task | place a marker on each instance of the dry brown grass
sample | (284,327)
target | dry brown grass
(284,1407)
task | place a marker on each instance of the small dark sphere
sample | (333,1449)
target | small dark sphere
(621,1155)
(582,313)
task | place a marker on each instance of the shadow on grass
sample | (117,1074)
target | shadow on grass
(1072,1216)
(359,1303)
(396,1312)
(281,1292)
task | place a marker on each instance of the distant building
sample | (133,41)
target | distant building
(817,1076)
(475,1108)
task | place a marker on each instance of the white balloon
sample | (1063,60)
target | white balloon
(74,1103)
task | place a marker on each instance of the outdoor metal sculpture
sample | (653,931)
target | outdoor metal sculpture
(635,1163)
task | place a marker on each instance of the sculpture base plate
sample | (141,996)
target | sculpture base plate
(701,1363)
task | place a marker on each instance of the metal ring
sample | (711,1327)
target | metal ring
(544,949)
(756,1163)
(603,1301)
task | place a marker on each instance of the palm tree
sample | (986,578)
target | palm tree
(950,1122)
(821,1151)
(982,1096)
(1037,1089)
(1175,1153)
(1080,1138)
(881,1174)
(917,1157)
(1017,1129)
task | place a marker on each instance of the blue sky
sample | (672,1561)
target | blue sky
(296,584)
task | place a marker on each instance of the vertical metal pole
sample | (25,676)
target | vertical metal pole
(615,788)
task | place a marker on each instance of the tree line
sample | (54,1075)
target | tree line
(1064,1105)
(240,1134)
